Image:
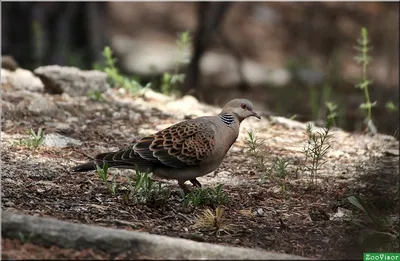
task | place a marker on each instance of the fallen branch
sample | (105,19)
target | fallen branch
(49,231)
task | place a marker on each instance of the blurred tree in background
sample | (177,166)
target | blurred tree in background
(289,58)
(64,33)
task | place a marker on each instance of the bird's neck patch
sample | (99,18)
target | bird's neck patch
(226,118)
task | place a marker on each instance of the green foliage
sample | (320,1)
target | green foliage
(380,223)
(170,82)
(281,167)
(102,172)
(390,106)
(115,78)
(315,150)
(146,191)
(205,197)
(22,238)
(34,140)
(184,42)
(332,113)
(364,59)
(377,231)
(96,95)
(254,150)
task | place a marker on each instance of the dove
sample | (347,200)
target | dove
(184,151)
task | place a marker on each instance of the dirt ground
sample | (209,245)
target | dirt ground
(297,220)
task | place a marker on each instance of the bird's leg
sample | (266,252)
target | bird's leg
(195,182)
(183,186)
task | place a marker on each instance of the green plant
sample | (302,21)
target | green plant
(378,233)
(364,59)
(208,221)
(315,150)
(171,81)
(254,145)
(34,140)
(390,106)
(281,168)
(205,197)
(96,95)
(21,237)
(146,191)
(116,79)
(102,172)
(332,114)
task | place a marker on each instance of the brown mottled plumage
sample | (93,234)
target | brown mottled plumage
(183,151)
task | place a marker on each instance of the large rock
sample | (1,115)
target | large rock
(39,105)
(21,79)
(50,231)
(71,80)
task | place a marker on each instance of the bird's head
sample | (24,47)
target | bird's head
(241,108)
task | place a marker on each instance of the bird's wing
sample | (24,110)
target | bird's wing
(187,143)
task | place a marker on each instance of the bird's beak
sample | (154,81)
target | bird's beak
(256,115)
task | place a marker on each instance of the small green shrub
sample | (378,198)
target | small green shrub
(115,78)
(255,151)
(146,191)
(170,82)
(102,172)
(34,140)
(317,146)
(377,231)
(96,95)
(364,59)
(205,197)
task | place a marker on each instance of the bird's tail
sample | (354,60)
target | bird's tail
(125,158)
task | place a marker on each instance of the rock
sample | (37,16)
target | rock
(21,79)
(342,214)
(223,173)
(40,106)
(152,95)
(71,80)
(259,212)
(60,141)
(8,62)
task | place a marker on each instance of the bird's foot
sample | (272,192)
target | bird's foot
(184,187)
(195,182)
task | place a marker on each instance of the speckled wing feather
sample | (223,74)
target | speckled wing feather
(184,144)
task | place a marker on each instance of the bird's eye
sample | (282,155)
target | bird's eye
(243,106)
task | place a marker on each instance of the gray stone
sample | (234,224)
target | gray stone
(21,79)
(39,105)
(60,141)
(49,231)
(71,80)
